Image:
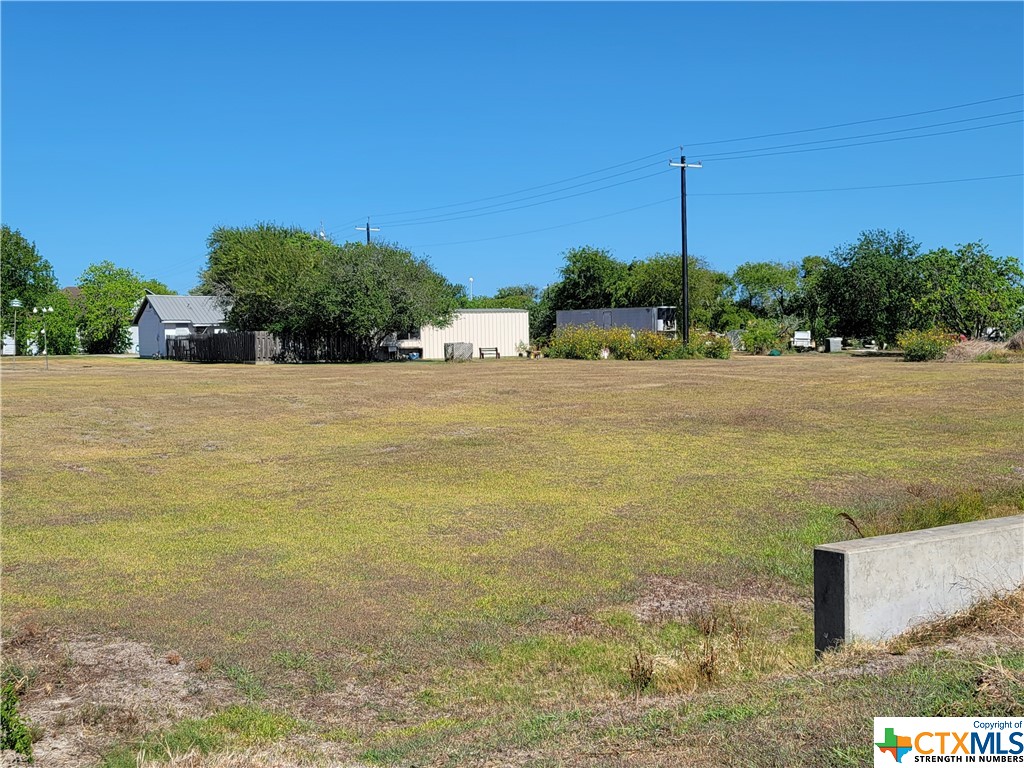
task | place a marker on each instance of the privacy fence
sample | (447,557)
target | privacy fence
(265,347)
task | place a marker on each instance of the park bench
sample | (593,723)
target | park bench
(492,351)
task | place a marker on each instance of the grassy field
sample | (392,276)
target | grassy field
(476,555)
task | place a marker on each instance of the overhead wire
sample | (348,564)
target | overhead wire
(857,122)
(530,189)
(541,202)
(866,135)
(723,194)
(750,153)
(426,219)
(715,158)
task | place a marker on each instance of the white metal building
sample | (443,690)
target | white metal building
(159,317)
(503,329)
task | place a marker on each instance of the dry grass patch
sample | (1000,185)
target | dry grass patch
(423,535)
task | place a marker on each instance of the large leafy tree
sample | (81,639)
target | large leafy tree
(285,280)
(658,281)
(807,303)
(266,276)
(378,289)
(24,275)
(108,300)
(591,279)
(868,287)
(969,290)
(767,288)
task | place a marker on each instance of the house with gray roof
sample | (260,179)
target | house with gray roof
(162,317)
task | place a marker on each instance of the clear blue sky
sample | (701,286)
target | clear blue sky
(129,131)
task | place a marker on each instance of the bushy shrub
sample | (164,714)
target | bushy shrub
(713,346)
(919,346)
(760,336)
(14,734)
(585,342)
(577,342)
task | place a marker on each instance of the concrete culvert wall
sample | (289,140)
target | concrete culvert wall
(873,589)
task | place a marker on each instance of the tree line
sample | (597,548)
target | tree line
(94,319)
(286,280)
(877,287)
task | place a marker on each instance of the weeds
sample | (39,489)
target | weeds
(15,734)
(640,671)
(246,682)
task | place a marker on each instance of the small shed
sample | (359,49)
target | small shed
(159,317)
(501,329)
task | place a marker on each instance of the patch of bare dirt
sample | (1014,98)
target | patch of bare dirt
(87,694)
(664,598)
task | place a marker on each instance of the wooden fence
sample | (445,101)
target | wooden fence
(264,347)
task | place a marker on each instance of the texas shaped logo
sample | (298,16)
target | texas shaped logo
(898,746)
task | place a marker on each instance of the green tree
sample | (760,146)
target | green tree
(110,295)
(542,319)
(766,288)
(969,290)
(61,325)
(266,275)
(375,290)
(868,288)
(807,302)
(658,281)
(285,280)
(24,275)
(591,279)
(508,297)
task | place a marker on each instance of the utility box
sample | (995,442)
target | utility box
(834,344)
(457,350)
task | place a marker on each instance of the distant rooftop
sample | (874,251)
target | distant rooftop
(197,310)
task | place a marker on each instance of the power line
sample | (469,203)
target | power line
(556,226)
(716,159)
(530,189)
(718,194)
(868,135)
(856,122)
(740,155)
(531,205)
(848,189)
(427,219)
(469,214)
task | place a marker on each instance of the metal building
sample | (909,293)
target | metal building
(501,329)
(658,319)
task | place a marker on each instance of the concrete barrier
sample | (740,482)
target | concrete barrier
(872,589)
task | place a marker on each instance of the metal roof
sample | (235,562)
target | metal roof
(197,310)
(465,311)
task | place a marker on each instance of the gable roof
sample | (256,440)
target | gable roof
(197,310)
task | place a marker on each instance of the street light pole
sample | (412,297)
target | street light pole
(682,165)
(44,311)
(15,303)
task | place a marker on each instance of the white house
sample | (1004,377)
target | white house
(503,329)
(159,317)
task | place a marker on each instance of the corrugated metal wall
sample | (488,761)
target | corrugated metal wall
(503,329)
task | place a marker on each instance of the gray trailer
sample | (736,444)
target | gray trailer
(657,319)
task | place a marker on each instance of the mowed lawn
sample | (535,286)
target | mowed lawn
(461,523)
